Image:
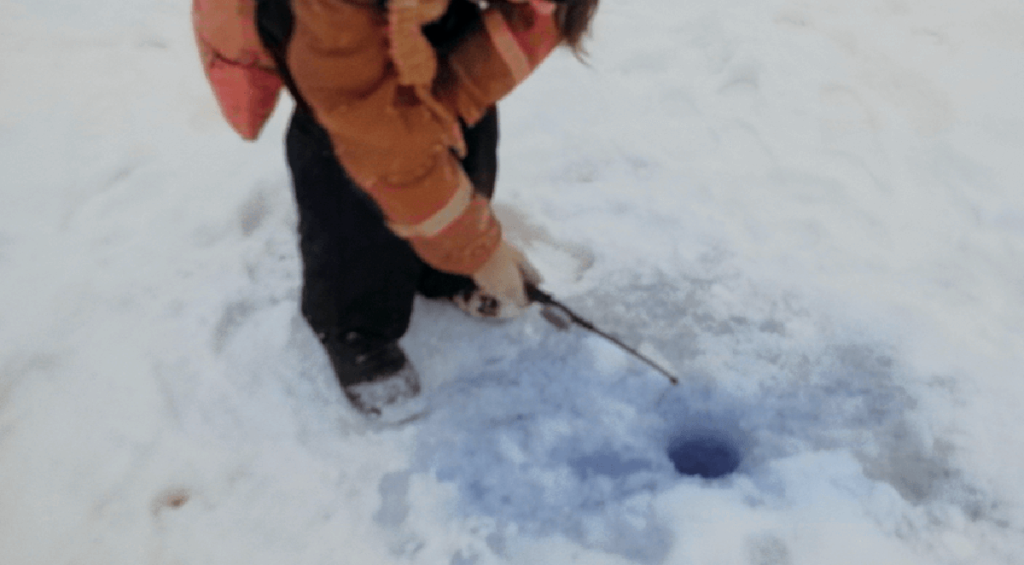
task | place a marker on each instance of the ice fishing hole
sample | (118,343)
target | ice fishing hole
(709,456)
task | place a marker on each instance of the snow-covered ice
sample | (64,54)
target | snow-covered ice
(810,209)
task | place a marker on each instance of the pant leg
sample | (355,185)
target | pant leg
(358,276)
(481,161)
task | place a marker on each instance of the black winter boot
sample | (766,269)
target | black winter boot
(376,376)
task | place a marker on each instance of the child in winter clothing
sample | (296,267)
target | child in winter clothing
(392,150)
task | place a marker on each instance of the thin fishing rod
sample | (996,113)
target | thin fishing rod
(539,296)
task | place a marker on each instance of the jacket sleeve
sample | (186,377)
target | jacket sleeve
(386,138)
(492,61)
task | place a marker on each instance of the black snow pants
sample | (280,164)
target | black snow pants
(358,276)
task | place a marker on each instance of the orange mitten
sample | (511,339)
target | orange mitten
(412,54)
(241,72)
(414,57)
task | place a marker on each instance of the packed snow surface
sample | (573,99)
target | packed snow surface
(810,209)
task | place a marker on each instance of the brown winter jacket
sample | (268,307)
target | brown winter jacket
(399,139)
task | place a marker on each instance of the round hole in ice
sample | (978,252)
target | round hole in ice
(705,455)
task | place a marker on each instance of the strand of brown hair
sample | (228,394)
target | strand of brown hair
(574,18)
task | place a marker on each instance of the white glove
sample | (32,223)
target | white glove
(501,285)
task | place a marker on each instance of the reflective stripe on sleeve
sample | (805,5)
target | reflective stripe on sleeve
(506,45)
(433,225)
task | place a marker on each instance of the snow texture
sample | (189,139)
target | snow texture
(809,209)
